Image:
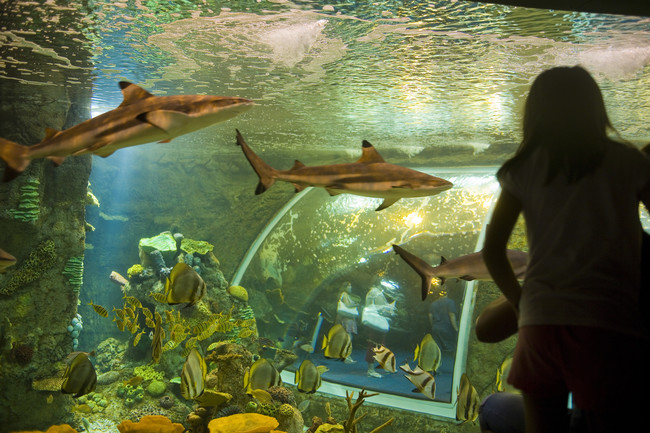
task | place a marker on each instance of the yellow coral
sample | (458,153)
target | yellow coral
(63,428)
(238,292)
(151,424)
(244,423)
(134,270)
(148,373)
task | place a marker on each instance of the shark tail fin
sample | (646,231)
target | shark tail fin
(264,171)
(15,155)
(419,266)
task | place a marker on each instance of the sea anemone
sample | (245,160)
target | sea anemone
(21,353)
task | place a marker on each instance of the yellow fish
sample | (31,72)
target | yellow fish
(261,375)
(135,302)
(308,377)
(147,312)
(183,285)
(160,297)
(502,374)
(136,340)
(468,401)
(428,354)
(193,375)
(80,377)
(262,396)
(156,342)
(119,313)
(337,343)
(99,309)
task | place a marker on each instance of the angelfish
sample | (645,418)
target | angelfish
(261,375)
(468,267)
(424,382)
(385,358)
(184,284)
(193,375)
(80,377)
(140,118)
(370,176)
(428,354)
(337,343)
(468,401)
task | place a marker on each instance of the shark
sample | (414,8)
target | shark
(370,176)
(6,260)
(140,118)
(468,267)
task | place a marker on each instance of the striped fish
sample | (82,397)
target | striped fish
(160,297)
(99,309)
(193,375)
(385,358)
(502,375)
(184,285)
(261,375)
(135,302)
(428,354)
(423,381)
(136,340)
(337,343)
(156,342)
(307,377)
(80,377)
(468,401)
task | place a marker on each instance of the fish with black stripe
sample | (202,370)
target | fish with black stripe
(468,401)
(428,354)
(156,342)
(80,377)
(385,358)
(261,375)
(424,382)
(337,344)
(193,375)
(308,376)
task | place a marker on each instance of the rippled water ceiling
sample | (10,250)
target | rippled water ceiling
(414,78)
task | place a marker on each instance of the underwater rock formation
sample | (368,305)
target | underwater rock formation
(151,424)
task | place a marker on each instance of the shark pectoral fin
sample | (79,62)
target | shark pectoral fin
(167,120)
(299,187)
(387,202)
(333,190)
(98,148)
(57,160)
(466,277)
(50,132)
(165,141)
(132,93)
(369,154)
(297,164)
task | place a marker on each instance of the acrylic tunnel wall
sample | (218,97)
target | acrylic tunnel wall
(295,270)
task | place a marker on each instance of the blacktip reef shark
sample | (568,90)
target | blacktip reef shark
(468,267)
(140,118)
(370,176)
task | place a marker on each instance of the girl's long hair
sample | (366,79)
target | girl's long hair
(565,116)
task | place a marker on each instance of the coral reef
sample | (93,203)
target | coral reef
(74,270)
(243,422)
(21,353)
(166,401)
(61,428)
(156,388)
(147,372)
(74,328)
(238,292)
(135,270)
(282,395)
(29,201)
(164,242)
(41,259)
(151,424)
(191,246)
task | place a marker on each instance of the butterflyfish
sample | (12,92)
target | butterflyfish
(184,285)
(80,377)
(261,375)
(468,401)
(428,354)
(308,377)
(193,375)
(337,343)
(385,358)
(99,309)
(424,382)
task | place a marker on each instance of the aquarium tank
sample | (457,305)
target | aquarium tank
(175,251)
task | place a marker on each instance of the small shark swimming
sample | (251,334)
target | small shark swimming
(370,176)
(468,267)
(140,118)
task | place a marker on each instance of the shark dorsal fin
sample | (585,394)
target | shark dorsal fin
(369,154)
(132,93)
(50,132)
(297,164)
